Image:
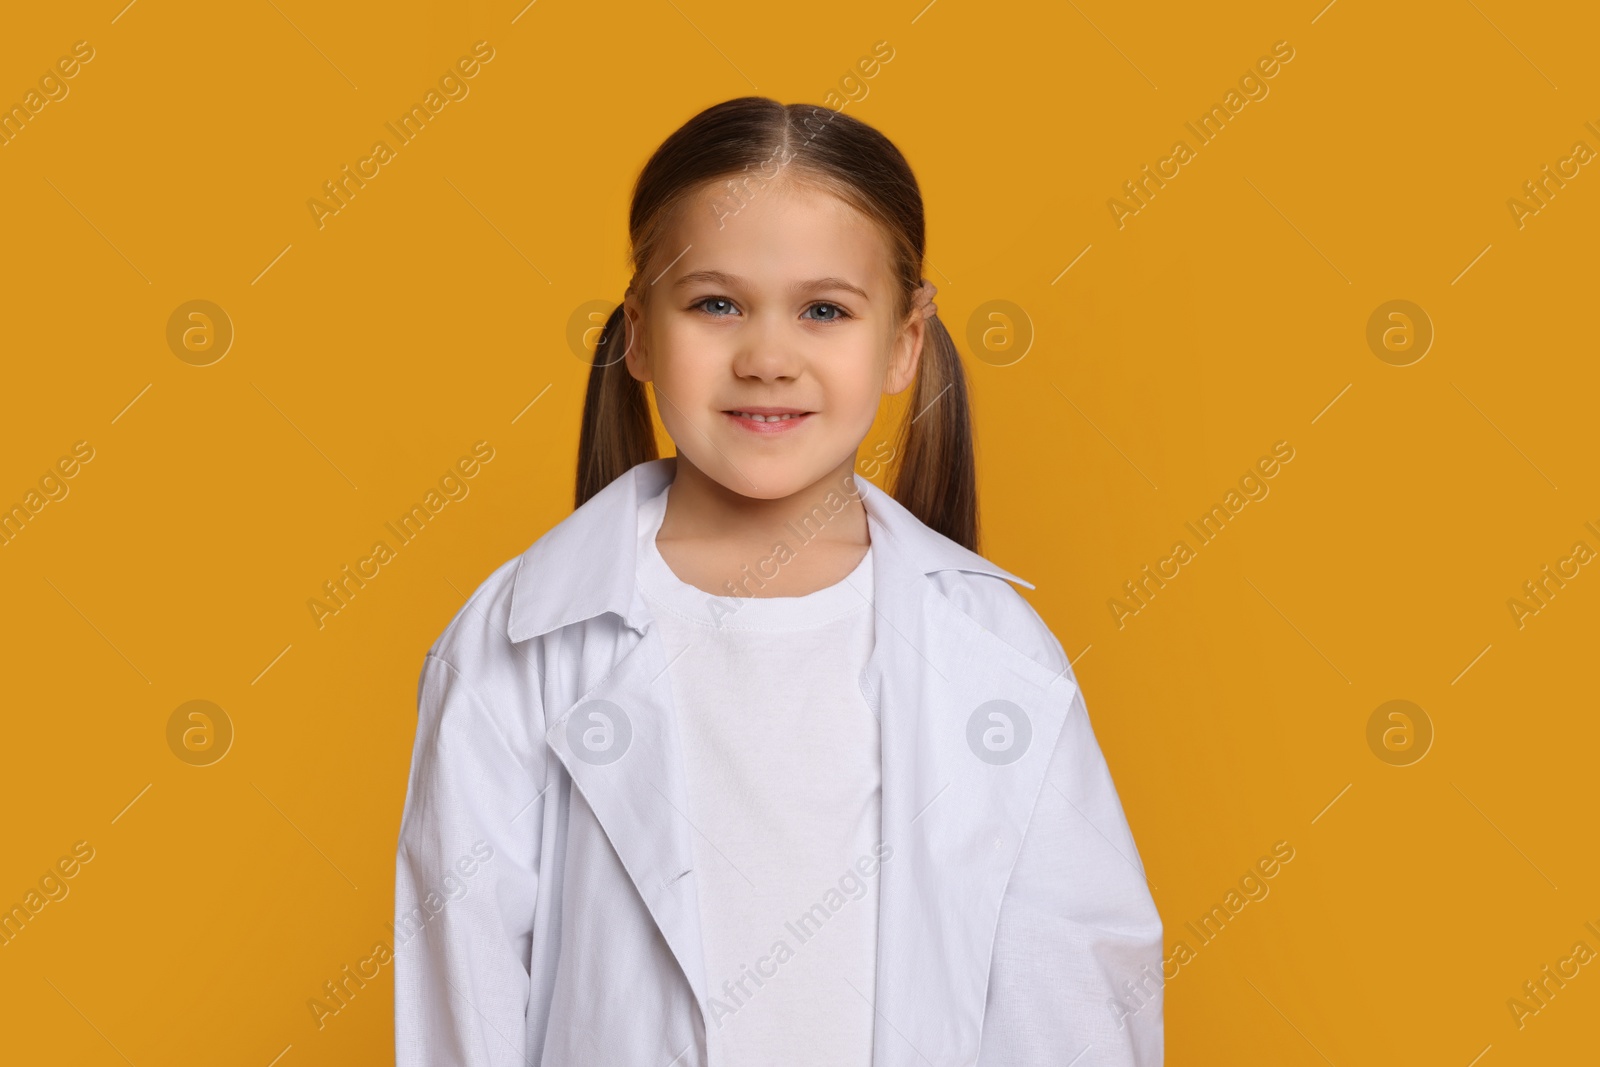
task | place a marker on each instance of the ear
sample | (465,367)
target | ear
(906,355)
(634,353)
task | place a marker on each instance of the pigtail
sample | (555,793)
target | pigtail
(617,433)
(936,478)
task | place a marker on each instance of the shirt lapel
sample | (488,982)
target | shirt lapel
(968,727)
(620,743)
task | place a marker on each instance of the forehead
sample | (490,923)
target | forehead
(773,234)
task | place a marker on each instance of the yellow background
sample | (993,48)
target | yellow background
(1228,314)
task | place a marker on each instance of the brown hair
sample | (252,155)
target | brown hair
(935,475)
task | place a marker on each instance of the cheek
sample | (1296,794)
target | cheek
(853,380)
(689,368)
(688,351)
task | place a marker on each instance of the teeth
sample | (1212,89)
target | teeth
(764,418)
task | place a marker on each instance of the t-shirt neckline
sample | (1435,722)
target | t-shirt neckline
(737,610)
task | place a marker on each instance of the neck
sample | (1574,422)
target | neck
(703,509)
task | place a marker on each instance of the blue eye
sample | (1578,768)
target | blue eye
(712,300)
(838,312)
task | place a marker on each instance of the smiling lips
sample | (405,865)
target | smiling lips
(768,420)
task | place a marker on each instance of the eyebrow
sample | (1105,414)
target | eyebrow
(718,277)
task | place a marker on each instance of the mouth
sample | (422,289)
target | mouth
(767,419)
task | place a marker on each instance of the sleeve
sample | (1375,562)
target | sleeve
(1078,960)
(466,880)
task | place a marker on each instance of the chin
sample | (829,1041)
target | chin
(773,480)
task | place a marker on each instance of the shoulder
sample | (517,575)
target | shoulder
(476,680)
(479,696)
(994,603)
(476,635)
(976,586)
(578,569)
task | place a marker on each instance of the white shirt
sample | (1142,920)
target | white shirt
(781,751)
(545,913)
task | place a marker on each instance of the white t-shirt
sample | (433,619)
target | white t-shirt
(784,772)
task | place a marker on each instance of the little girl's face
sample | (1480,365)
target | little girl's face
(785,304)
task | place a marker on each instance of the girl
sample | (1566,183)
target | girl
(748,761)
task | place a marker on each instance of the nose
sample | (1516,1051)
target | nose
(766,350)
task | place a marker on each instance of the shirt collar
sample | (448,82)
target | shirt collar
(585,565)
